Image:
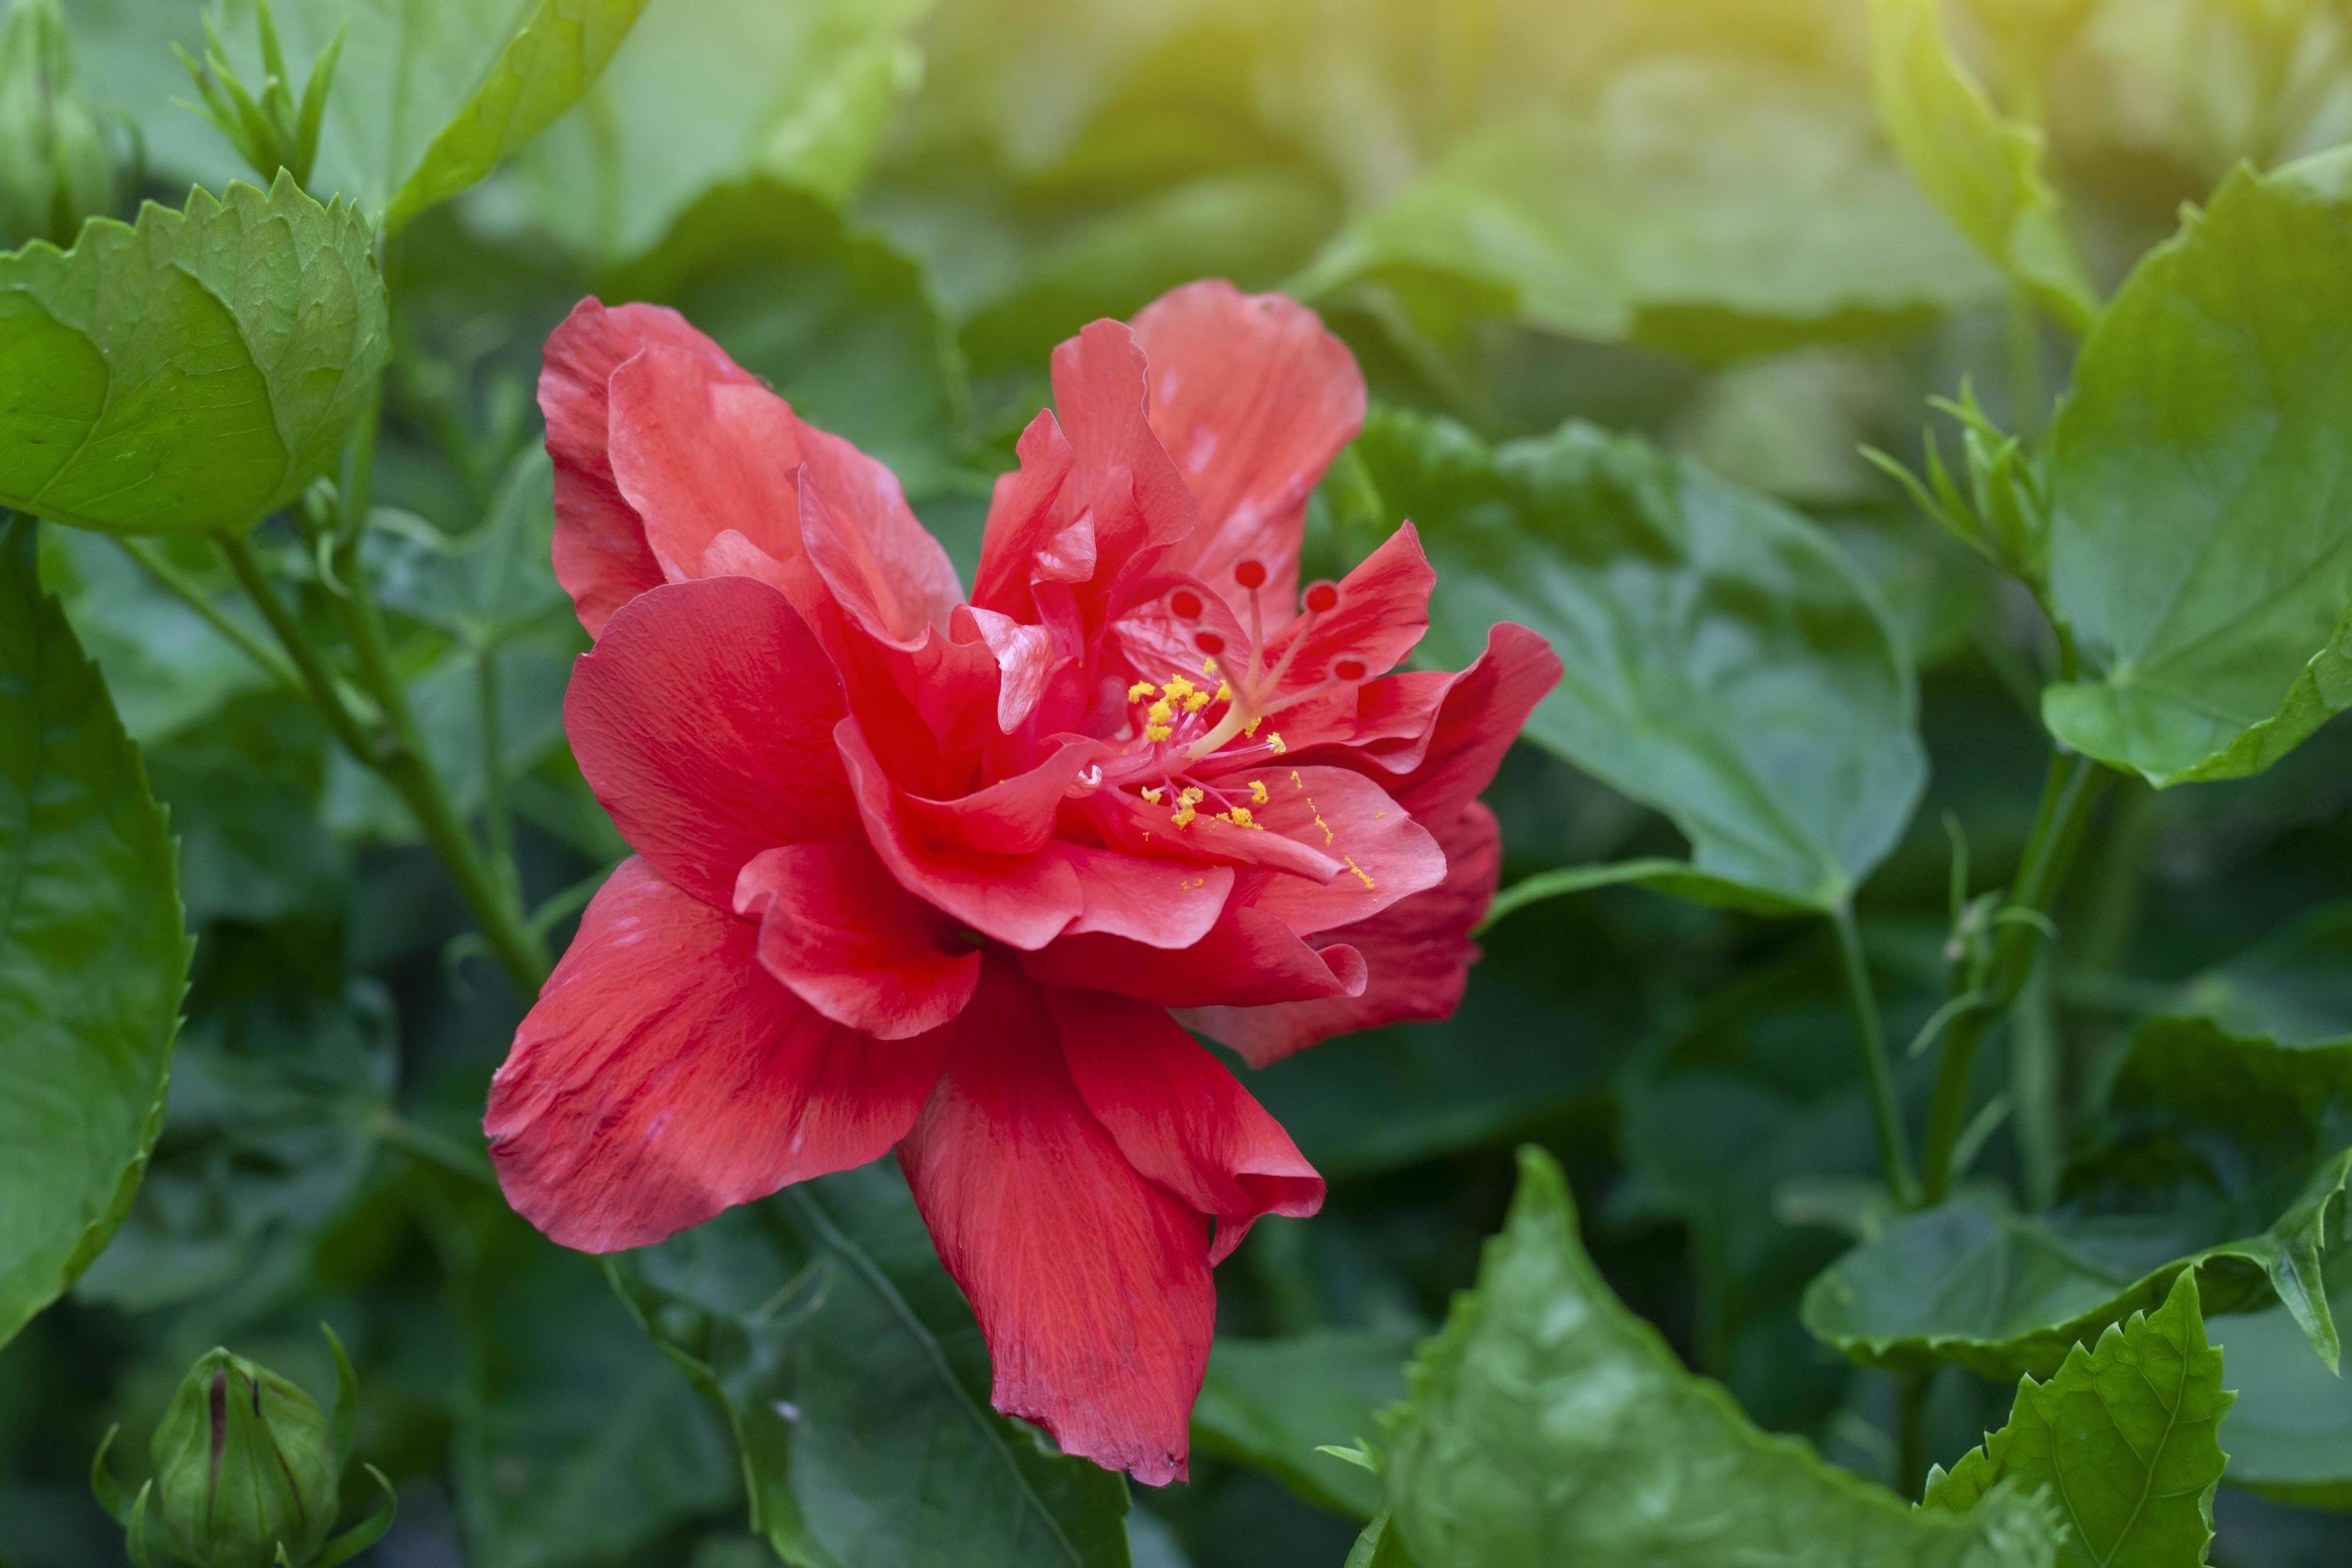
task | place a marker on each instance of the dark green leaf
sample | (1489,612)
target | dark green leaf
(858,1386)
(1726,664)
(93,951)
(2290,1433)
(2123,1438)
(484,587)
(1549,1424)
(1696,203)
(190,375)
(1271,1404)
(2200,543)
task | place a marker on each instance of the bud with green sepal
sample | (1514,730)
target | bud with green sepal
(271,130)
(59,166)
(247,1471)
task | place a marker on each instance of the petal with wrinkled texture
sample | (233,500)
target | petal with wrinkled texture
(1384,854)
(1179,1116)
(663,1076)
(1091,1283)
(703,721)
(1249,959)
(852,943)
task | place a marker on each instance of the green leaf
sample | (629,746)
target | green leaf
(1271,1404)
(575,1441)
(2228,1155)
(1727,665)
(2290,1433)
(192,374)
(2123,1438)
(1550,1425)
(1378,1547)
(858,1386)
(715,92)
(838,322)
(2200,544)
(93,953)
(1701,205)
(485,587)
(1983,170)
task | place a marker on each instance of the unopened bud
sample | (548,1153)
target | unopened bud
(57,166)
(244,1467)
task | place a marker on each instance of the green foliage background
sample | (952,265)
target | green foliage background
(1635,282)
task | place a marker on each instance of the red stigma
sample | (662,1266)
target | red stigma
(1209,643)
(1348,669)
(1322,598)
(1250,574)
(1186,603)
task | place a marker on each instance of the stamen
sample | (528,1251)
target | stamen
(1250,574)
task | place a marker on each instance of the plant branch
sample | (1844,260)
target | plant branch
(159,567)
(312,675)
(1998,972)
(1887,1109)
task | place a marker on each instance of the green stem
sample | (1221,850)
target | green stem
(497,827)
(312,674)
(1911,1390)
(2069,792)
(1894,1148)
(159,567)
(431,1147)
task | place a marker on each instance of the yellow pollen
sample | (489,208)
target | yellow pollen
(1178,688)
(1184,815)
(1250,729)
(1240,818)
(1361,875)
(1158,713)
(1159,732)
(1155,795)
(1196,701)
(1296,782)
(1140,690)
(1191,797)
(1273,742)
(1258,791)
(1207,667)
(1224,692)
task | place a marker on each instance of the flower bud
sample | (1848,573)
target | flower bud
(57,165)
(244,1466)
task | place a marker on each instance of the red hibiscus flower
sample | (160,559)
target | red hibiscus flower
(927,873)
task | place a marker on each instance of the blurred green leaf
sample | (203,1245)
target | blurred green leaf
(2290,1433)
(715,92)
(93,958)
(244,792)
(276,1102)
(1726,664)
(166,668)
(1549,1424)
(1271,1404)
(1705,205)
(2199,543)
(857,1385)
(190,375)
(1983,170)
(835,319)
(2122,1437)
(576,1441)
(2225,1155)
(484,587)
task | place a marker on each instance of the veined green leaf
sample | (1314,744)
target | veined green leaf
(858,1386)
(2200,541)
(190,373)
(1983,170)
(1549,1424)
(1696,203)
(2123,1438)
(93,951)
(1727,665)
(2290,1433)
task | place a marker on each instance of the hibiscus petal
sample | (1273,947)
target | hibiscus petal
(699,453)
(1012,816)
(1023,901)
(1253,399)
(1179,1116)
(1100,389)
(1091,1284)
(883,566)
(1385,855)
(703,721)
(1480,716)
(1383,611)
(663,1076)
(1249,959)
(1024,518)
(600,555)
(1417,953)
(1165,903)
(852,943)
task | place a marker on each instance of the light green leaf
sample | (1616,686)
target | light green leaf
(1271,1404)
(837,321)
(2200,541)
(858,1386)
(2123,1438)
(2228,1159)
(1701,205)
(1727,665)
(2290,1433)
(93,953)
(189,374)
(1378,1547)
(1550,1425)
(1983,170)
(715,92)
